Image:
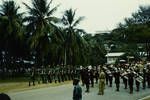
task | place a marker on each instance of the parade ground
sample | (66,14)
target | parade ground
(64,92)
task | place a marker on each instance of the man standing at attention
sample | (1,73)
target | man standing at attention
(101,82)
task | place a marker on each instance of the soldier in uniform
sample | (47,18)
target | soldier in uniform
(110,78)
(144,78)
(96,76)
(136,79)
(42,75)
(107,77)
(38,76)
(125,80)
(117,79)
(148,76)
(87,80)
(92,77)
(83,76)
(131,80)
(62,75)
(50,76)
(101,83)
(32,77)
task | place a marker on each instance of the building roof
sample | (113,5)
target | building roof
(117,54)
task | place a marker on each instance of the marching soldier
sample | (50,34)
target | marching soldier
(117,79)
(92,77)
(148,76)
(38,76)
(62,75)
(144,78)
(83,76)
(50,76)
(96,76)
(125,80)
(101,83)
(107,77)
(131,81)
(136,79)
(32,77)
(87,80)
(110,78)
(42,75)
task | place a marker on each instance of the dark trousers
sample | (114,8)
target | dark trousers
(137,85)
(144,84)
(131,88)
(117,86)
(87,88)
(92,82)
(110,81)
(125,83)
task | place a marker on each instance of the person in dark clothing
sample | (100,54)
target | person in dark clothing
(87,80)
(83,76)
(92,77)
(96,76)
(107,77)
(4,97)
(148,78)
(131,81)
(125,81)
(110,78)
(144,78)
(77,92)
(32,77)
(117,79)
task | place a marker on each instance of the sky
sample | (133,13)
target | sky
(100,15)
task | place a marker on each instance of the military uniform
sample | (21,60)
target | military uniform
(110,78)
(148,78)
(101,83)
(144,78)
(117,80)
(32,77)
(131,81)
(83,76)
(87,80)
(92,77)
(96,76)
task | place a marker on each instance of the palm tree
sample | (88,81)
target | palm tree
(72,35)
(10,29)
(40,25)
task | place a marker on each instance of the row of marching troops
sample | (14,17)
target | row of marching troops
(49,75)
(132,74)
(137,74)
(89,77)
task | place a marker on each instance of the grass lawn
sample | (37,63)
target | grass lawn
(147,99)
(22,85)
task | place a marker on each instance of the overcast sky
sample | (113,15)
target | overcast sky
(100,15)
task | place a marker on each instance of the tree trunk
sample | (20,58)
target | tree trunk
(65,59)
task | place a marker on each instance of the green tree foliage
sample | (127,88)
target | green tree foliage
(135,29)
(40,25)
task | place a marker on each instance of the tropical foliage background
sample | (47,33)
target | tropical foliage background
(38,38)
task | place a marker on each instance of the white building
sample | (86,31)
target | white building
(112,57)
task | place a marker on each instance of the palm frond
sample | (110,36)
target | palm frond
(52,10)
(78,21)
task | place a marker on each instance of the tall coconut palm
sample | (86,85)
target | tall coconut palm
(10,28)
(71,35)
(40,24)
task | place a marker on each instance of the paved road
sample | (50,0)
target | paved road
(64,92)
